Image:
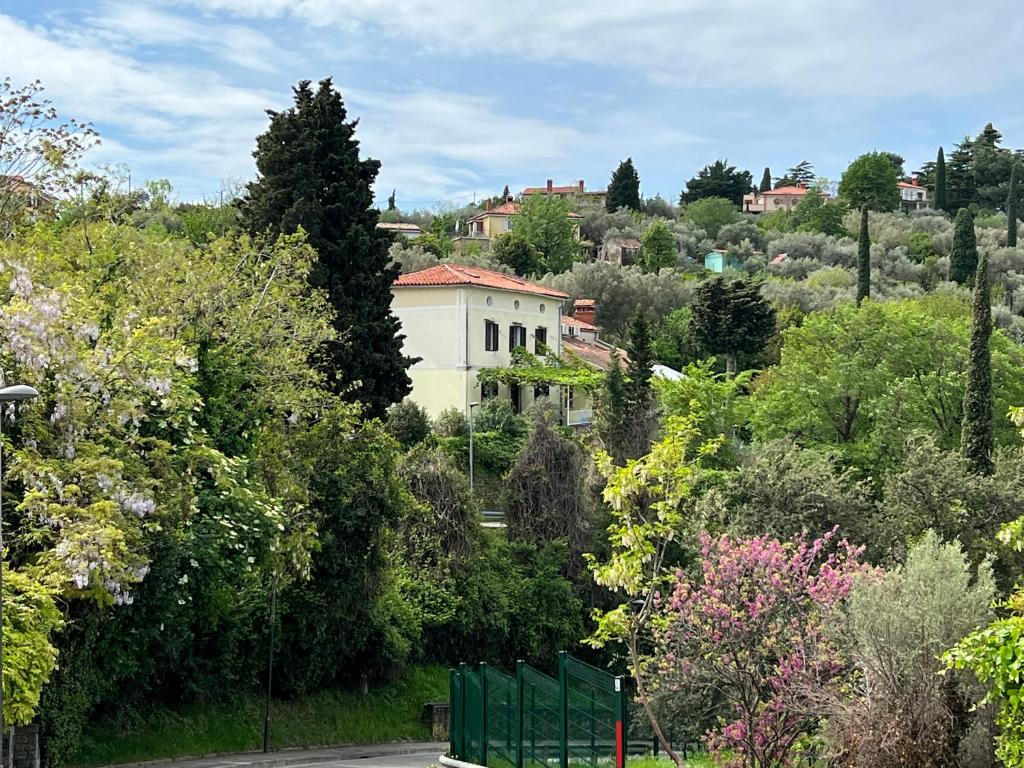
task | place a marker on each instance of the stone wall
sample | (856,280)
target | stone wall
(25,752)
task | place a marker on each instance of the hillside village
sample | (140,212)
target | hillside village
(570,476)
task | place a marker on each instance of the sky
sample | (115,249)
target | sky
(458,99)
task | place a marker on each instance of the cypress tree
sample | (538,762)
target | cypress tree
(863,258)
(641,362)
(624,189)
(310,175)
(610,416)
(940,182)
(766,181)
(963,261)
(641,421)
(1011,209)
(976,442)
(392,205)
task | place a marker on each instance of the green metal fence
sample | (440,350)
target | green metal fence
(533,720)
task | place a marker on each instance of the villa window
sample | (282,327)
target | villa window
(489,390)
(515,393)
(516,337)
(490,336)
(540,340)
(541,390)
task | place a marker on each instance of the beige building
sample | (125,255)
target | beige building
(577,190)
(779,199)
(486,225)
(461,319)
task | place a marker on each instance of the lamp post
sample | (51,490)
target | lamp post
(13,394)
(471,407)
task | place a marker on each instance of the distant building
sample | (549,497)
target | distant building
(486,225)
(620,250)
(460,320)
(913,197)
(17,194)
(573,190)
(720,260)
(400,228)
(779,199)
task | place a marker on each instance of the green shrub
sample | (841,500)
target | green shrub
(408,423)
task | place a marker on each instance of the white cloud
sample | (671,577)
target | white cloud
(875,49)
(192,125)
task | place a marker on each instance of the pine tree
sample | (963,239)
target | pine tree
(976,442)
(728,317)
(311,176)
(624,189)
(1011,209)
(960,182)
(963,260)
(766,181)
(939,203)
(863,258)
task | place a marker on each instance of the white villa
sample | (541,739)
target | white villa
(461,319)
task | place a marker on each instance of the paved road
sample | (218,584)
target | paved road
(408,755)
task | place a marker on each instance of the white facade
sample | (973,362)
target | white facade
(447,326)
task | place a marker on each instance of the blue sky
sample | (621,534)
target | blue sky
(458,98)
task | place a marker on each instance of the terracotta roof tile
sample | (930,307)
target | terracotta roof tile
(455,274)
(787,191)
(510,209)
(582,324)
(596,354)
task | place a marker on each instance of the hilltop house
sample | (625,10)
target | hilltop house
(460,320)
(486,225)
(620,250)
(573,190)
(782,198)
(913,196)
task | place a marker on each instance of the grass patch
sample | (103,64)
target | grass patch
(650,761)
(389,713)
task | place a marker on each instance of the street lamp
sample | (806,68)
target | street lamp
(13,394)
(471,407)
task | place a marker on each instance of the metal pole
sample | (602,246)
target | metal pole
(270,663)
(471,449)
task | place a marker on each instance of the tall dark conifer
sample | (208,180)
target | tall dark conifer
(311,176)
(611,412)
(963,260)
(863,258)
(976,441)
(1011,208)
(939,203)
(624,189)
(766,181)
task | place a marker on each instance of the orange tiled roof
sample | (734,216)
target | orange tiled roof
(455,274)
(572,189)
(510,209)
(582,324)
(787,191)
(596,354)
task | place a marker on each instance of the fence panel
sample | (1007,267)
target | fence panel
(541,740)
(536,721)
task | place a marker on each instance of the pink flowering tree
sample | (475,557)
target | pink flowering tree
(759,627)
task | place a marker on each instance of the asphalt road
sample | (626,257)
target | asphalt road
(404,755)
(414,760)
